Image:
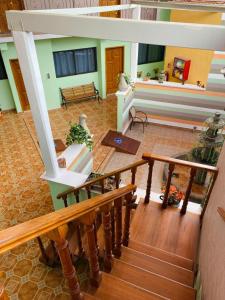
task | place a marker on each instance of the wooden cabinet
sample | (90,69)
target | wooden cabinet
(8,5)
(181,68)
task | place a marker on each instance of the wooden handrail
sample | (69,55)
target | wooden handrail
(21,233)
(171,160)
(101,178)
(221,212)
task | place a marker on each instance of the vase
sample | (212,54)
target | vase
(123,86)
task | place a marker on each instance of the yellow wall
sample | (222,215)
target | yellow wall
(200,59)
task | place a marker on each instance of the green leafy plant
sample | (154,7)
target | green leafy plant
(156,71)
(79,135)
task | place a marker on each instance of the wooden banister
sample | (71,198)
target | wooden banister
(185,163)
(21,233)
(102,178)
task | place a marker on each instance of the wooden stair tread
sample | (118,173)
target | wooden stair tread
(114,288)
(161,254)
(152,282)
(157,266)
(166,229)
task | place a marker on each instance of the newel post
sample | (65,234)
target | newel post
(89,222)
(58,235)
(108,257)
(126,231)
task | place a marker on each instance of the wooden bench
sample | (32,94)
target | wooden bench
(77,93)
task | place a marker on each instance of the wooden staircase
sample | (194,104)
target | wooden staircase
(154,248)
(147,272)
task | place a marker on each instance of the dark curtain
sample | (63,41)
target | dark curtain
(75,62)
(150,53)
(3,74)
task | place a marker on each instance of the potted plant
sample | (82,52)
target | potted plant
(174,197)
(156,71)
(147,76)
(79,135)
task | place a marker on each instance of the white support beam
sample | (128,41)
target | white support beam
(27,55)
(85,10)
(209,37)
(136,15)
(208,7)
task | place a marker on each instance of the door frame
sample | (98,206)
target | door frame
(123,60)
(16,84)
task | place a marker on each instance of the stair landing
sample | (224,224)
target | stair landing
(166,229)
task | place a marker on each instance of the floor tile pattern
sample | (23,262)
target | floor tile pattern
(24,196)
(162,140)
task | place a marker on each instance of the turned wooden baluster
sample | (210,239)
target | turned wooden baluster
(188,191)
(118,217)
(168,183)
(59,237)
(44,256)
(88,191)
(126,230)
(65,200)
(3,295)
(212,182)
(133,176)
(88,220)
(77,196)
(102,183)
(79,241)
(117,179)
(108,258)
(149,180)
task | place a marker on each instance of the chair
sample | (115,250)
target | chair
(138,117)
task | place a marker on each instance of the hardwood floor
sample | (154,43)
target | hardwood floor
(166,229)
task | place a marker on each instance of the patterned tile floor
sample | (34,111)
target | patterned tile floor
(156,139)
(24,196)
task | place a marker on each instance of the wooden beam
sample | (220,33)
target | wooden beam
(209,37)
(213,7)
(86,10)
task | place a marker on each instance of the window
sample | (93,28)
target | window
(74,62)
(3,74)
(150,53)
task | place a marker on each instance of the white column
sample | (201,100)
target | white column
(27,55)
(136,14)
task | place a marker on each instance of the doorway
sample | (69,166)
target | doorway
(111,14)
(15,66)
(114,66)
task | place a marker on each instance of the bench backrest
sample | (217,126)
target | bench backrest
(78,92)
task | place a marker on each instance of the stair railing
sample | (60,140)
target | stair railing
(56,226)
(150,160)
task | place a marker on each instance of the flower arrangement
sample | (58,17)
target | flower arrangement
(79,135)
(174,197)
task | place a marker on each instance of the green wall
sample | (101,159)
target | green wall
(164,14)
(6,97)
(45,48)
(145,68)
